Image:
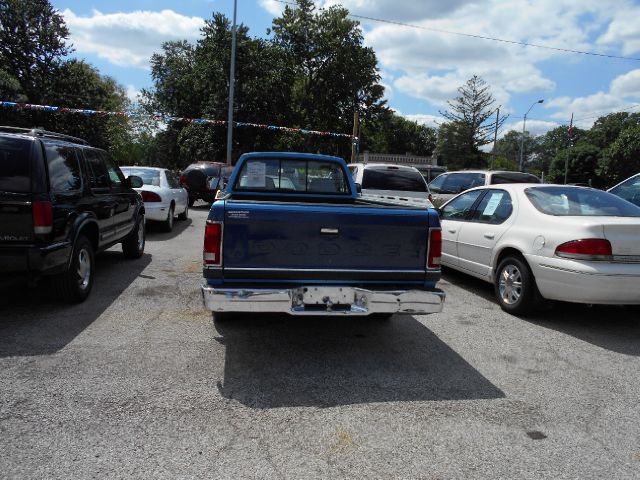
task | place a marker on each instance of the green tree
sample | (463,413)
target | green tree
(582,165)
(471,123)
(33,39)
(509,146)
(622,158)
(392,133)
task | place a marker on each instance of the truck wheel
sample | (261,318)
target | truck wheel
(222,317)
(133,245)
(515,287)
(75,284)
(167,225)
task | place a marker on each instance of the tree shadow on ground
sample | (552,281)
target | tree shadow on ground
(277,360)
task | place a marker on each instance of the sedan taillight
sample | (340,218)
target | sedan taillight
(150,196)
(434,249)
(586,249)
(212,252)
(42,217)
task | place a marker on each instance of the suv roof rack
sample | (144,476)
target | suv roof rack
(38,132)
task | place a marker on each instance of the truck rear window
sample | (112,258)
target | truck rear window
(15,165)
(285,175)
(393,178)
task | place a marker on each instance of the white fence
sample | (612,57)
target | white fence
(367,157)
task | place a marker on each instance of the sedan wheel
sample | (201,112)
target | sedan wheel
(515,286)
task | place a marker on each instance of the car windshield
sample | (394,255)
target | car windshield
(582,202)
(148,176)
(393,178)
(456,182)
(629,190)
(14,165)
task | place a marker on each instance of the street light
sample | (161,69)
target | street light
(522,138)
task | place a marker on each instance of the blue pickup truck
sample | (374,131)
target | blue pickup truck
(291,234)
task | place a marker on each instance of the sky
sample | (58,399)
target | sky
(426,49)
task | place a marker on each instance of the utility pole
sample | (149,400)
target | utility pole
(232,84)
(354,138)
(495,138)
(566,160)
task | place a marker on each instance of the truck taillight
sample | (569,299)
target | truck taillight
(434,249)
(586,249)
(42,217)
(150,196)
(212,254)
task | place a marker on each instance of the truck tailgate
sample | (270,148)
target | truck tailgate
(263,240)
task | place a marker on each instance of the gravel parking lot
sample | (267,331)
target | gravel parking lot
(139,382)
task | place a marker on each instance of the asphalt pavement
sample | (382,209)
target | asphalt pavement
(139,382)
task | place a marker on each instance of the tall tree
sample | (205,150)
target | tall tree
(33,42)
(335,74)
(622,158)
(392,133)
(472,116)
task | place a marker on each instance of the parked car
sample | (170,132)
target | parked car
(291,234)
(430,172)
(536,242)
(202,180)
(61,202)
(162,194)
(447,185)
(628,189)
(391,182)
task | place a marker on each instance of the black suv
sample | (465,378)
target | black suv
(61,202)
(203,180)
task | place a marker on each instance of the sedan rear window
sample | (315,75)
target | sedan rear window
(148,176)
(393,178)
(513,177)
(15,162)
(581,202)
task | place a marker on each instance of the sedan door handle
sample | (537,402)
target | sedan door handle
(451,230)
(490,236)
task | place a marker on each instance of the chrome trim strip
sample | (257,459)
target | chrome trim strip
(251,269)
(595,274)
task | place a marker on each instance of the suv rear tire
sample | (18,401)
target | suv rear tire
(75,284)
(133,245)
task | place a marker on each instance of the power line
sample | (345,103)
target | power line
(481,37)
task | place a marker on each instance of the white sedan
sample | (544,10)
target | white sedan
(536,242)
(163,196)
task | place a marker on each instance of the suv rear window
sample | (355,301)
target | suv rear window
(15,165)
(393,178)
(515,177)
(64,171)
(456,182)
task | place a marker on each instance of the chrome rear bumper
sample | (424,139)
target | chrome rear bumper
(322,300)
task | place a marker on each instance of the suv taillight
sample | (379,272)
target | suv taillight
(183,180)
(434,249)
(42,217)
(150,196)
(586,249)
(212,253)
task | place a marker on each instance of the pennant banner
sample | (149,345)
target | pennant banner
(165,118)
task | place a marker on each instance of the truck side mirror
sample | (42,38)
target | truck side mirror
(358,188)
(134,181)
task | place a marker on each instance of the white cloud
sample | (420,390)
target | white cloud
(390,9)
(133,94)
(273,7)
(624,30)
(627,85)
(433,121)
(534,127)
(129,39)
